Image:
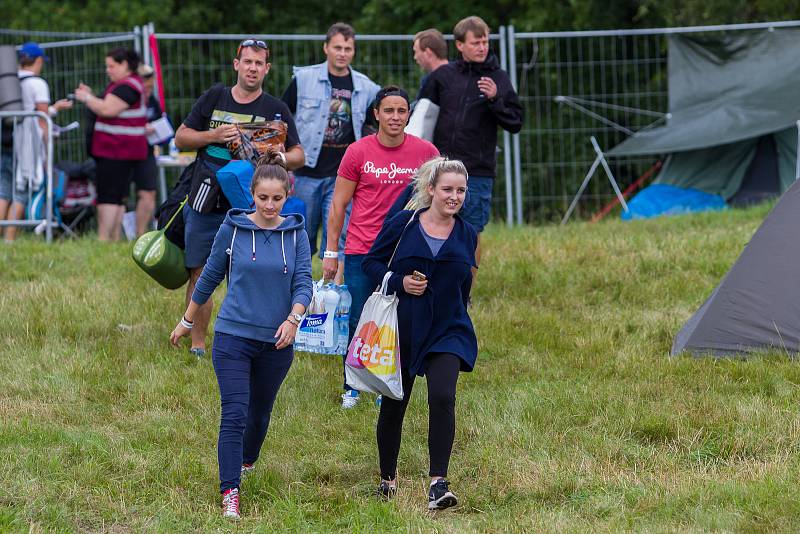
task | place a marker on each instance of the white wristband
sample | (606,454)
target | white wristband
(330,254)
(52,111)
(186,324)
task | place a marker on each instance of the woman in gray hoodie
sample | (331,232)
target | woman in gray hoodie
(267,260)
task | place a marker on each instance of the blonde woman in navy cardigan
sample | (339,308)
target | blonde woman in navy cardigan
(437,339)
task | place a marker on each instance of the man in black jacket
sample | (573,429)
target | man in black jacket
(475,96)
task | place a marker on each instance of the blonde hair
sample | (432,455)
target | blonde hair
(427,175)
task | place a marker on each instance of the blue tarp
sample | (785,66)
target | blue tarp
(664,199)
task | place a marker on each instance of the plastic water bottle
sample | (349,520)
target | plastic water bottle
(173,148)
(331,299)
(343,319)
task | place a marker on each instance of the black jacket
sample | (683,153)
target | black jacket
(468,121)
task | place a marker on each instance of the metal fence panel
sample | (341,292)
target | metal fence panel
(620,73)
(621,77)
(73,58)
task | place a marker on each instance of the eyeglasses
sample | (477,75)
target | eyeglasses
(252,42)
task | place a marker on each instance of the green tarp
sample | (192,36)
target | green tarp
(719,170)
(724,89)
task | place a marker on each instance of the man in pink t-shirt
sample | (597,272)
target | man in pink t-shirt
(373,173)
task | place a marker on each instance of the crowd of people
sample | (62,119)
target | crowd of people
(378,199)
(357,187)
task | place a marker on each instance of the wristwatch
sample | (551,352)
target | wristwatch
(297,317)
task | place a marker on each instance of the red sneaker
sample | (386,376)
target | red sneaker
(230,503)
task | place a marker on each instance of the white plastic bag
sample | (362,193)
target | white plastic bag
(422,122)
(373,357)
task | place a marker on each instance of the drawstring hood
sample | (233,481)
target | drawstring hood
(239,220)
(283,252)
(265,277)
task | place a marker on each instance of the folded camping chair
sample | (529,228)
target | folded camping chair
(78,205)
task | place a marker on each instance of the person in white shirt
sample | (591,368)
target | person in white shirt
(15,187)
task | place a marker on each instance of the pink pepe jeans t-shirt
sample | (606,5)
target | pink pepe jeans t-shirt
(381,173)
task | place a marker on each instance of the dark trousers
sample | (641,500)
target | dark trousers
(249,374)
(442,376)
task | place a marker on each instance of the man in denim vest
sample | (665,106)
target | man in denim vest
(329,102)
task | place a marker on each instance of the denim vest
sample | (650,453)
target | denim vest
(313,97)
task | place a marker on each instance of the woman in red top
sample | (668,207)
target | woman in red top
(119,140)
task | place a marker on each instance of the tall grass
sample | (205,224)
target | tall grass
(575,418)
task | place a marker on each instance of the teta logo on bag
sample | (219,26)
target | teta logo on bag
(374,348)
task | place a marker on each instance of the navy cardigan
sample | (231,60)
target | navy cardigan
(436,321)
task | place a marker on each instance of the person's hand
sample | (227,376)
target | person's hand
(225,133)
(83,93)
(487,86)
(179,332)
(329,268)
(62,104)
(148,128)
(285,334)
(414,287)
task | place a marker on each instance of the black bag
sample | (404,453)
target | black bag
(205,193)
(175,231)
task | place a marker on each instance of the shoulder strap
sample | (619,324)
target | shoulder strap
(230,256)
(216,93)
(401,236)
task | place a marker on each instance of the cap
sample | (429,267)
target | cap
(32,50)
(144,70)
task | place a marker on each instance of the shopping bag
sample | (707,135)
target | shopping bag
(317,330)
(423,120)
(256,138)
(373,356)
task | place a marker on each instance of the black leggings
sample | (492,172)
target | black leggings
(442,375)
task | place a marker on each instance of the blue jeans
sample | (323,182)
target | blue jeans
(360,288)
(317,193)
(249,374)
(478,204)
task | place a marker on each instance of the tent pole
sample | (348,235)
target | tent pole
(602,159)
(580,191)
(797,154)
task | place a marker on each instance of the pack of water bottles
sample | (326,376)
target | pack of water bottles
(325,327)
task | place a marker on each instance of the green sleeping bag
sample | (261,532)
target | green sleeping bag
(161,258)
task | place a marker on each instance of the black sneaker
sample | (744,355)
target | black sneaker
(440,496)
(386,490)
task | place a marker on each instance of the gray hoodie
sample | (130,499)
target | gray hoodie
(270,270)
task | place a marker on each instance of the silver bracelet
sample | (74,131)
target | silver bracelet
(330,254)
(186,324)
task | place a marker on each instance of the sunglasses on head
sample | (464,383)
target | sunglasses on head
(252,42)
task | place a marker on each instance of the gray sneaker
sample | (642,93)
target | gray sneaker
(440,496)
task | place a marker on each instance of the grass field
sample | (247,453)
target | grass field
(574,420)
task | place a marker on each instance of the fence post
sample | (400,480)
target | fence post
(512,60)
(137,40)
(507,139)
(146,45)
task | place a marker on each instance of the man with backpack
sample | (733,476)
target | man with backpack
(208,128)
(29,144)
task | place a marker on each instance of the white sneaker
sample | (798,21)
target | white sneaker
(349,399)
